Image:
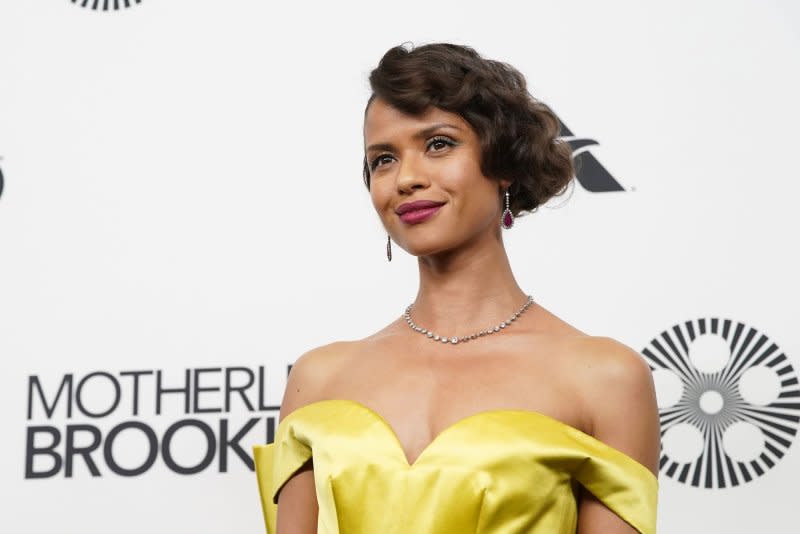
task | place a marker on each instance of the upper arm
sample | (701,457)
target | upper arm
(624,414)
(297,501)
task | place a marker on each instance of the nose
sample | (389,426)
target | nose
(411,175)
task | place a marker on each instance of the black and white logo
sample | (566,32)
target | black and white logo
(106,5)
(127,423)
(729,402)
(589,172)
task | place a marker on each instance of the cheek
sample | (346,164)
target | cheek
(465,180)
(462,171)
(379,196)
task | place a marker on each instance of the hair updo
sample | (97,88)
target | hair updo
(518,134)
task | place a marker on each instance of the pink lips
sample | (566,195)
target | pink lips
(418,211)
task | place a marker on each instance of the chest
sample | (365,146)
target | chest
(421,395)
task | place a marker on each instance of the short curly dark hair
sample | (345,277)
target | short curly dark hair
(518,134)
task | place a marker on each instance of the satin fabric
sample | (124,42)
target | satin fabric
(500,471)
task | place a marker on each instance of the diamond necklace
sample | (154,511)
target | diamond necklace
(453,340)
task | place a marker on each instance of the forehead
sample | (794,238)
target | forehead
(384,122)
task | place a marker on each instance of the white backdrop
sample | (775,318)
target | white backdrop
(182,191)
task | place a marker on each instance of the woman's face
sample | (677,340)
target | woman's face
(432,157)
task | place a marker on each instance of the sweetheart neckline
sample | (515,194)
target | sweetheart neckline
(456,424)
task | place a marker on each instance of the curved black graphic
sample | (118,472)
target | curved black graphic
(106,5)
(777,421)
(1,183)
(588,171)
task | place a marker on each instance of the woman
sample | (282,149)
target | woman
(477,410)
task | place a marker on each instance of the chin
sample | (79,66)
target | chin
(427,249)
(429,241)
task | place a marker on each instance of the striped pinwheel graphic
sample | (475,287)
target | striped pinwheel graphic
(729,402)
(106,5)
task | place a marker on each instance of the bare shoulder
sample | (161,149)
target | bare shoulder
(604,359)
(619,395)
(310,374)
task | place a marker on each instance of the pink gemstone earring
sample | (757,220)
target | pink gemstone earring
(507,220)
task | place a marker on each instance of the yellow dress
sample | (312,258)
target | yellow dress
(501,471)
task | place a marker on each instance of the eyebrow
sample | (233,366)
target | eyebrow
(419,135)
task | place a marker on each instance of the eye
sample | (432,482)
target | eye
(439,143)
(378,160)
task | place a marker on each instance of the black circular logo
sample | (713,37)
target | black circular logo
(729,402)
(106,5)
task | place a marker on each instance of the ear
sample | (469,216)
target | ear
(504,184)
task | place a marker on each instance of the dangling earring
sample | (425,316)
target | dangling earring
(388,247)
(507,221)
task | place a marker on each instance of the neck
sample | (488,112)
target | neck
(466,290)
